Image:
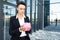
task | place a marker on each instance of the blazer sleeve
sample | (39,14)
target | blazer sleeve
(31,29)
(12,30)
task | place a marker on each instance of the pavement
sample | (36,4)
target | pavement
(51,32)
(45,35)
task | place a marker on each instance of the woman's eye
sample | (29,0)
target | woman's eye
(21,8)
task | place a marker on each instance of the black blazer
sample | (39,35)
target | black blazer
(14,28)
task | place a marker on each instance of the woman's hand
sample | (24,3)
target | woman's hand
(22,28)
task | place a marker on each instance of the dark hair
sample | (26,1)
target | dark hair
(23,3)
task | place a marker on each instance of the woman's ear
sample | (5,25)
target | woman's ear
(17,9)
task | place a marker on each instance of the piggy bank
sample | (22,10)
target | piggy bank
(27,26)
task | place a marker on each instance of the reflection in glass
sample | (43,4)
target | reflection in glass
(8,12)
(12,1)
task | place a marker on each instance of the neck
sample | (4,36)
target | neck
(20,15)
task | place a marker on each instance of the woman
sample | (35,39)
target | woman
(16,30)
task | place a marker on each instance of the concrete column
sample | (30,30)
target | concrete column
(26,7)
(35,17)
(1,22)
(31,13)
(46,12)
(40,14)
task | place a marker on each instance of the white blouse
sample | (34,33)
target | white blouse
(21,22)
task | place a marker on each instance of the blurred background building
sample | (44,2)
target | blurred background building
(40,13)
(36,10)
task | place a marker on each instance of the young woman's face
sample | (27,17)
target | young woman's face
(21,9)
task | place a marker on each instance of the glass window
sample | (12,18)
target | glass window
(53,1)
(8,12)
(12,1)
(28,8)
(54,15)
(21,0)
(54,10)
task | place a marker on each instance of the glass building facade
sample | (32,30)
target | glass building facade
(46,13)
(36,10)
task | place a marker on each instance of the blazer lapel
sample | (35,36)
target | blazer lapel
(24,19)
(17,22)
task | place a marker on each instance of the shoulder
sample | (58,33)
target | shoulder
(13,17)
(27,17)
